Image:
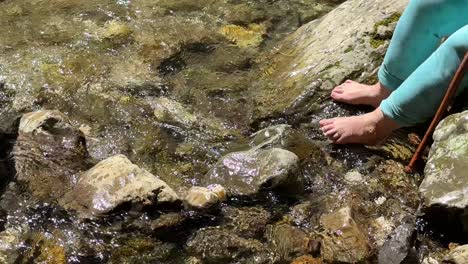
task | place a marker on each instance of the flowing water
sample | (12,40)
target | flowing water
(105,64)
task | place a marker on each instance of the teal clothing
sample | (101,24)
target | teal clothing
(416,67)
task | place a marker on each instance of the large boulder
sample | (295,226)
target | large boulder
(444,188)
(248,172)
(49,154)
(324,53)
(115,182)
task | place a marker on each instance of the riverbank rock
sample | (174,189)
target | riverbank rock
(49,154)
(115,182)
(444,188)
(459,255)
(345,242)
(9,240)
(205,198)
(216,245)
(248,172)
(323,53)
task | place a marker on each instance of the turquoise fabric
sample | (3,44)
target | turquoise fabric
(416,66)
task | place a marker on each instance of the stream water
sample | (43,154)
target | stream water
(105,63)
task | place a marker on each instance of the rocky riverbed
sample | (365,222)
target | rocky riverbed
(187,132)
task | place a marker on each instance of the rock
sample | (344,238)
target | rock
(9,121)
(174,113)
(252,36)
(345,241)
(247,222)
(9,240)
(141,250)
(353,177)
(248,172)
(459,255)
(322,54)
(49,154)
(381,229)
(444,186)
(288,241)
(115,182)
(397,248)
(307,259)
(270,136)
(216,245)
(205,198)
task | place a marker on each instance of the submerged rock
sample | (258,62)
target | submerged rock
(115,182)
(205,198)
(288,241)
(49,154)
(248,222)
(248,172)
(216,245)
(444,186)
(9,240)
(345,242)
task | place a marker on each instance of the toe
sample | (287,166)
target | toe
(327,127)
(338,89)
(325,122)
(330,133)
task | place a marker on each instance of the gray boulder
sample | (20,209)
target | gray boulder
(114,182)
(248,172)
(444,189)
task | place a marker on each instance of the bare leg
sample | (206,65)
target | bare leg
(368,129)
(352,92)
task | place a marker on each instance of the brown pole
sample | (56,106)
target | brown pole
(452,89)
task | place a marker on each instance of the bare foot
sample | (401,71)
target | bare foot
(367,129)
(352,92)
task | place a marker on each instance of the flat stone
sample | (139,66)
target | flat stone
(205,198)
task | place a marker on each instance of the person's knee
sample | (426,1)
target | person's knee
(458,41)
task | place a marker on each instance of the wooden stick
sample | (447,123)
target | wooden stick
(446,101)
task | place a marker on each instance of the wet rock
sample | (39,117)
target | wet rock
(345,241)
(141,250)
(397,248)
(205,198)
(244,37)
(322,54)
(115,182)
(381,230)
(248,222)
(288,241)
(444,186)
(353,177)
(307,259)
(9,239)
(271,136)
(9,121)
(248,172)
(215,245)
(173,112)
(49,154)
(459,255)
